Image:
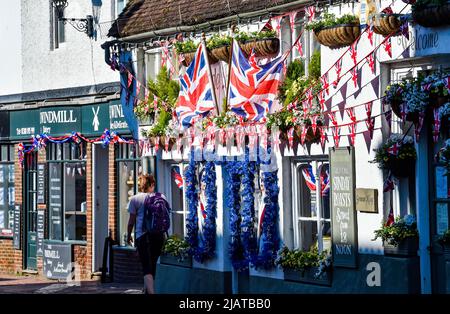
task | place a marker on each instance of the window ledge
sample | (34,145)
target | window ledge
(75,242)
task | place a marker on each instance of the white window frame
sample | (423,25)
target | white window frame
(317,167)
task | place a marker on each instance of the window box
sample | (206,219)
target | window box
(167,259)
(308,276)
(407,247)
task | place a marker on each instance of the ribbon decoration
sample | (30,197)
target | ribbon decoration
(388,47)
(371,61)
(303,134)
(292,16)
(355,76)
(309,97)
(146,95)
(325,83)
(436,125)
(338,68)
(130,79)
(418,125)
(323,136)
(352,126)
(240,136)
(314,123)
(252,137)
(353,53)
(336,135)
(156,147)
(230,135)
(311,12)
(370,34)
(138,87)
(299,47)
(404,27)
(179,139)
(276,23)
(262,131)
(305,109)
(369,122)
(290,135)
(276,140)
(166,143)
(321,100)
(332,116)
(388,184)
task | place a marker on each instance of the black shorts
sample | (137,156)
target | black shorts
(149,247)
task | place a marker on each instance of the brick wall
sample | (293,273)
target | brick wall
(80,258)
(18,263)
(127,266)
(112,194)
(6,256)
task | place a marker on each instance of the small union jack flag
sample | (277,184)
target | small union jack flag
(390,221)
(253,88)
(196,92)
(311,12)
(177,177)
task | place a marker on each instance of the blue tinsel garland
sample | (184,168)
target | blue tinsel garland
(208,244)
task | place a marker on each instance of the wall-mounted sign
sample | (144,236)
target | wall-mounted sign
(16,229)
(54,201)
(430,41)
(24,123)
(40,232)
(41,183)
(60,120)
(97,118)
(367,200)
(57,260)
(343,211)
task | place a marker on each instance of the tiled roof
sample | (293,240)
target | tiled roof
(140,16)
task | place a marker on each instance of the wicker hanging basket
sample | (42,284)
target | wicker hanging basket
(386,25)
(267,47)
(222,53)
(338,36)
(432,16)
(189,56)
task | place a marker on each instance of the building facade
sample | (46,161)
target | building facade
(305,218)
(60,203)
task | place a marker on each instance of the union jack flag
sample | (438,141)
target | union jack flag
(177,177)
(325,182)
(196,91)
(310,180)
(253,87)
(390,221)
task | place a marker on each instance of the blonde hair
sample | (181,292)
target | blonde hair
(145,181)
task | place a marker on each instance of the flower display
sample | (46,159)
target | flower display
(415,98)
(401,229)
(397,154)
(176,247)
(443,156)
(298,259)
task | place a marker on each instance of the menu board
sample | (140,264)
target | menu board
(40,232)
(41,183)
(55,201)
(343,207)
(57,260)
(16,232)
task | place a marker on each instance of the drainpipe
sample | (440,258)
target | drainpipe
(423,212)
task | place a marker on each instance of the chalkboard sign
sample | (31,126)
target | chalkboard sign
(57,260)
(16,230)
(55,201)
(41,183)
(343,207)
(40,233)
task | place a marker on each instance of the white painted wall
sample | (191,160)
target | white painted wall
(10,37)
(79,61)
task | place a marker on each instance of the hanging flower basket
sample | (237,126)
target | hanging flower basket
(266,47)
(387,24)
(162,142)
(222,53)
(188,57)
(311,136)
(431,15)
(402,168)
(406,247)
(308,275)
(338,36)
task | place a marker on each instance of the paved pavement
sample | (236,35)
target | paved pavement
(30,284)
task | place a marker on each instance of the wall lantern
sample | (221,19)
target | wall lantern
(82,25)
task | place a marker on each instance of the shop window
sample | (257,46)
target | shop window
(7,154)
(311,205)
(128,170)
(67,191)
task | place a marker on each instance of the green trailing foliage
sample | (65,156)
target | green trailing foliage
(294,70)
(185,46)
(330,20)
(176,247)
(401,229)
(300,260)
(314,65)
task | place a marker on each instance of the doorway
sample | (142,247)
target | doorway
(100,185)
(30,212)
